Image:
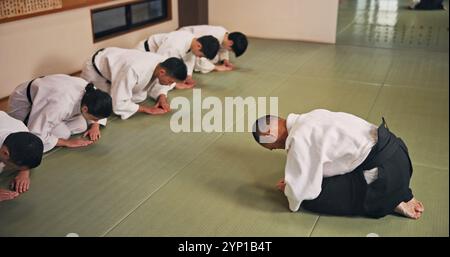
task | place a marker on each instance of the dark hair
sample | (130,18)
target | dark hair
(240,43)
(256,131)
(99,103)
(25,149)
(175,68)
(210,46)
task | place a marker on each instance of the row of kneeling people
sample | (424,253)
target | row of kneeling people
(337,163)
(44,112)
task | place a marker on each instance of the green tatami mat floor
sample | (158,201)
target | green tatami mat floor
(142,179)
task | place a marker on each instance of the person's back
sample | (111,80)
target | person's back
(321,144)
(59,90)
(205,30)
(340,164)
(172,44)
(235,42)
(126,74)
(113,61)
(343,139)
(54,107)
(130,75)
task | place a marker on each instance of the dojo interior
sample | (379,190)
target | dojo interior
(371,58)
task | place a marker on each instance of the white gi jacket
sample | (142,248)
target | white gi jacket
(56,109)
(131,74)
(173,44)
(202,64)
(323,144)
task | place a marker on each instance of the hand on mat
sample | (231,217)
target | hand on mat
(188,83)
(412,209)
(228,64)
(222,68)
(164,106)
(151,110)
(7,195)
(75,142)
(156,111)
(281,185)
(162,103)
(189,80)
(21,182)
(93,132)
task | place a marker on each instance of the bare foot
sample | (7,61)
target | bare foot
(412,209)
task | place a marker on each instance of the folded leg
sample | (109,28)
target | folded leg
(341,195)
(19,106)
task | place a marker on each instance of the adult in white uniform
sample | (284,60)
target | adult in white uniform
(184,45)
(129,76)
(54,107)
(340,164)
(234,41)
(19,150)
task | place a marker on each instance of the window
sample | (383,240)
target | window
(119,19)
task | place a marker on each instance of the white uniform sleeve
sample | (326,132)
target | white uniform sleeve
(204,65)
(101,121)
(41,124)
(122,93)
(159,89)
(168,52)
(303,175)
(189,60)
(223,54)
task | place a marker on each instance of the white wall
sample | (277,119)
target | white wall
(58,43)
(305,20)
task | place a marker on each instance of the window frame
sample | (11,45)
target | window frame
(129,27)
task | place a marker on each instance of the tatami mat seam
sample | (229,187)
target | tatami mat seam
(120,221)
(366,83)
(380,89)
(314,226)
(181,169)
(423,165)
(345,28)
(394,48)
(400,85)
